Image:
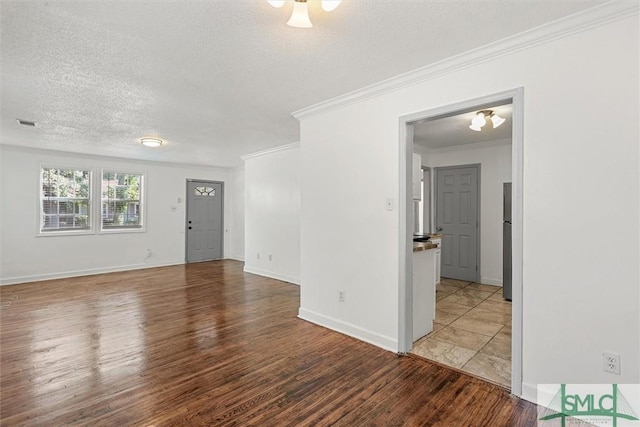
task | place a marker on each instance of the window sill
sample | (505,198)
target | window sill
(123,230)
(65,233)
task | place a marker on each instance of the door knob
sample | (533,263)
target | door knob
(439,229)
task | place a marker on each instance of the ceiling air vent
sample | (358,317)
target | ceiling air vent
(26,122)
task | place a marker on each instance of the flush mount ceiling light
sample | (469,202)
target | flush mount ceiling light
(300,15)
(481,119)
(151,142)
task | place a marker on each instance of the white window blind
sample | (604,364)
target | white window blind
(65,200)
(121,201)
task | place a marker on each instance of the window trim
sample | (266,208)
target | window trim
(143,202)
(39,213)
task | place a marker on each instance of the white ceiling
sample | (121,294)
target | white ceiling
(454,130)
(218,79)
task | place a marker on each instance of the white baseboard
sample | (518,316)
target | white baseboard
(354,331)
(490,281)
(87,272)
(530,392)
(235,258)
(272,275)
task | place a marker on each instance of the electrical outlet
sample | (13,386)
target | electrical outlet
(611,363)
(341,296)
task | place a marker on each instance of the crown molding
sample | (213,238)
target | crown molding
(271,151)
(564,27)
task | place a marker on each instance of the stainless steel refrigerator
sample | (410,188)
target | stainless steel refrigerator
(506,241)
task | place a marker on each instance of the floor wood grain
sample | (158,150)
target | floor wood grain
(208,345)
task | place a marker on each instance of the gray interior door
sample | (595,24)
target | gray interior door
(204,220)
(458,221)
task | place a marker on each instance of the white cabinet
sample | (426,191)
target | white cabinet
(438,254)
(424,293)
(416,177)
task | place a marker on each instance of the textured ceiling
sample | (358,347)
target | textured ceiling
(454,130)
(217,79)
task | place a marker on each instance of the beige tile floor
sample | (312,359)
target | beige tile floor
(471,332)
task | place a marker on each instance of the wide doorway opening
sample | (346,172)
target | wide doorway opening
(470,324)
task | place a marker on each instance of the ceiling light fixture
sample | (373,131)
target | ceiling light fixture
(481,119)
(151,142)
(300,15)
(330,5)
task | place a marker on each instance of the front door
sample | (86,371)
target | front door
(204,220)
(457,220)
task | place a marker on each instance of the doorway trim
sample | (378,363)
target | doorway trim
(186,216)
(405,209)
(478,167)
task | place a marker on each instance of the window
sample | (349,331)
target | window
(205,191)
(121,201)
(65,200)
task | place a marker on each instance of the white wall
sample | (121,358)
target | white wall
(272,213)
(28,257)
(581,109)
(495,169)
(235,223)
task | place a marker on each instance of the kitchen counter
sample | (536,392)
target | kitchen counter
(423,246)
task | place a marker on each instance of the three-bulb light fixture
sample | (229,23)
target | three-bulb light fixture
(300,15)
(481,119)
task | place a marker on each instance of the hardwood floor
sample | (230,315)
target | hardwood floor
(206,344)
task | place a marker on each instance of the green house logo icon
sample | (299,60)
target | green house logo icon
(604,406)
